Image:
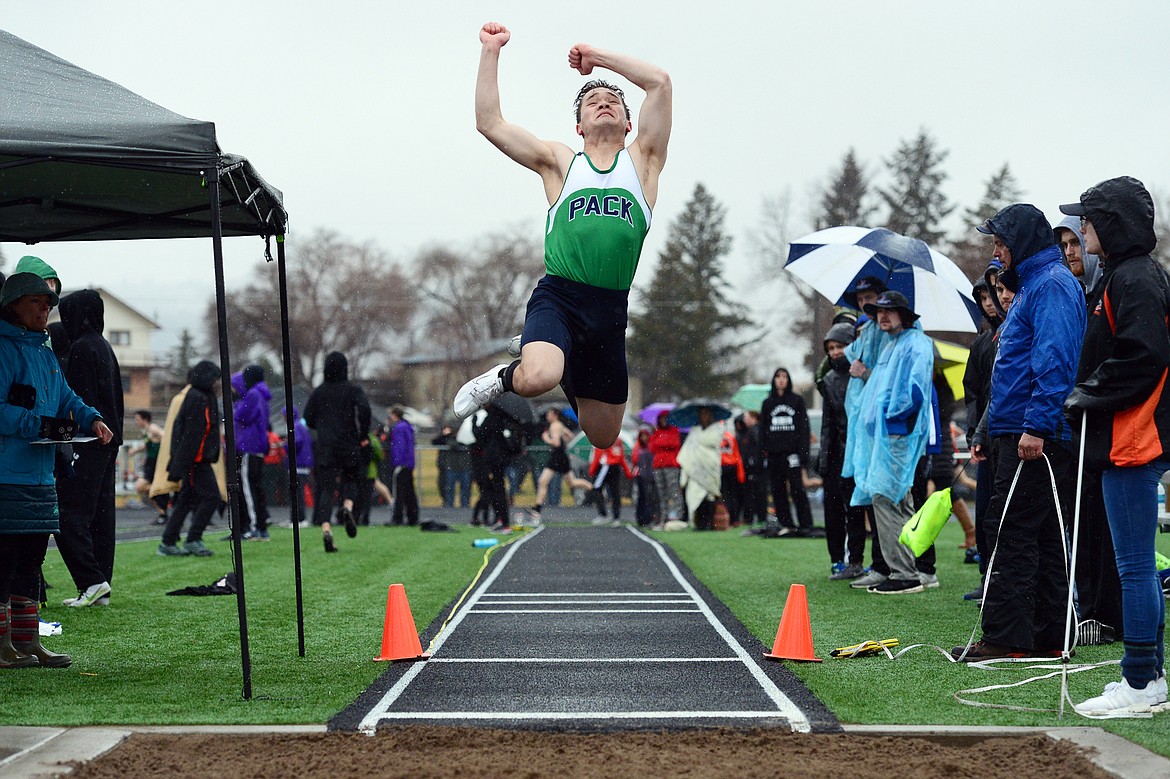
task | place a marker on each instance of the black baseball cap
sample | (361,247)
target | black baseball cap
(892,299)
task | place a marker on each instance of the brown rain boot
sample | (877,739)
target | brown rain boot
(9,657)
(26,634)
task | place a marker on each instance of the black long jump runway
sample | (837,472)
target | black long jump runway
(590,628)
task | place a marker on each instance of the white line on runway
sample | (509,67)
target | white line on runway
(583,594)
(483,610)
(788,709)
(579,602)
(369,723)
(785,708)
(585,660)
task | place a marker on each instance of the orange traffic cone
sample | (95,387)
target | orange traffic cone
(794,638)
(399,636)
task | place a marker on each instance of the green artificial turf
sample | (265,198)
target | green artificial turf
(155,659)
(753,575)
(150,658)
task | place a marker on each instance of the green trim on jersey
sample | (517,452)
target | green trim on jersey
(595,231)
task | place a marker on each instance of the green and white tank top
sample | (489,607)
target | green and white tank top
(595,231)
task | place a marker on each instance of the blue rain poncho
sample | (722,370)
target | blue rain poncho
(894,418)
(865,347)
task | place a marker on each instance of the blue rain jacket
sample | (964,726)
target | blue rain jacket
(895,418)
(865,347)
(1039,347)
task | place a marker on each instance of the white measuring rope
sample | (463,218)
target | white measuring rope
(1065,667)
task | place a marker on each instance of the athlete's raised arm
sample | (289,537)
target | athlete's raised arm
(544,157)
(654,118)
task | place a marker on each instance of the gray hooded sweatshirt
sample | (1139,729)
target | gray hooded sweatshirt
(1091,262)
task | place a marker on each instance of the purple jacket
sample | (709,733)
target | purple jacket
(402,445)
(251,416)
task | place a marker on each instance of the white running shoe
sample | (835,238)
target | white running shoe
(1155,692)
(478,392)
(1118,700)
(514,347)
(89,596)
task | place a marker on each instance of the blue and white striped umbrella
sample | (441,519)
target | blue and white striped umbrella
(831,261)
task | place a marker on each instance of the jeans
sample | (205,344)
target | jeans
(1131,498)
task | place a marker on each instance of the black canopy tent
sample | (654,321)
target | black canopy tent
(84,159)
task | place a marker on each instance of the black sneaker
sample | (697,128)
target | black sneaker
(897,587)
(345,516)
(971,556)
(328,539)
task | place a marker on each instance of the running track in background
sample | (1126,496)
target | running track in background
(590,628)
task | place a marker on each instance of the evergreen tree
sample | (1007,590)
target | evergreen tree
(682,340)
(970,249)
(915,199)
(846,199)
(183,355)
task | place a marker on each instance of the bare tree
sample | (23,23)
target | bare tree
(342,297)
(468,299)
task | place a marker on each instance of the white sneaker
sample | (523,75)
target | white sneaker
(514,347)
(1118,700)
(929,580)
(90,596)
(478,392)
(1155,693)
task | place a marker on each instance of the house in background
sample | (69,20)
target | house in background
(129,332)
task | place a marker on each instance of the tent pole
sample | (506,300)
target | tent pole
(291,436)
(229,448)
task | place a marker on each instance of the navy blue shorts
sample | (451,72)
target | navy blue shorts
(588,324)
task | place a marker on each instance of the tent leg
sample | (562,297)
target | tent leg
(290,421)
(229,444)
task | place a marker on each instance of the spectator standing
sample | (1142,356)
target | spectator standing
(606,468)
(194,447)
(26,471)
(88,520)
(250,413)
(699,460)
(665,442)
(786,446)
(301,459)
(1098,583)
(844,523)
(892,425)
(646,501)
(1039,344)
(1121,388)
(490,435)
(733,475)
(402,466)
(755,490)
(340,413)
(445,478)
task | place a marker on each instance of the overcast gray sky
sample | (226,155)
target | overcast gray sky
(361,112)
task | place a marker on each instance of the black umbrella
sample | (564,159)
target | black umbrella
(520,409)
(687,413)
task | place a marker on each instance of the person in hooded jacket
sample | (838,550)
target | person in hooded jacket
(976,393)
(340,413)
(1121,391)
(1086,266)
(785,440)
(1025,592)
(1098,585)
(35,399)
(195,444)
(250,413)
(302,458)
(86,500)
(844,523)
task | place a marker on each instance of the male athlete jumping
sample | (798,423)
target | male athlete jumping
(601,201)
